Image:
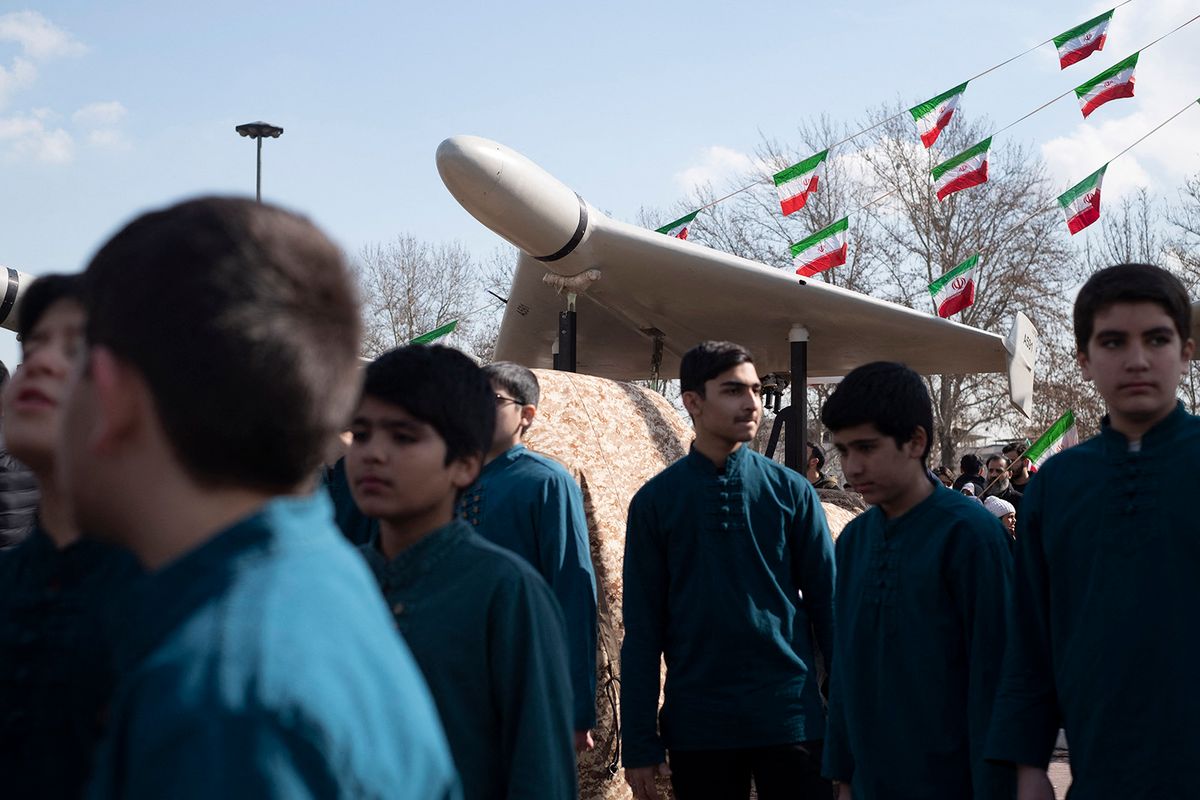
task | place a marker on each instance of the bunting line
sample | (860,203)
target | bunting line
(900,114)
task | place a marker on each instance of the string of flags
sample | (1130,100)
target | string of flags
(934,115)
(955,291)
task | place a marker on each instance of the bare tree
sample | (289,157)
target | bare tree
(497,271)
(410,287)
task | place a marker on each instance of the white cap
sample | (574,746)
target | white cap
(999,507)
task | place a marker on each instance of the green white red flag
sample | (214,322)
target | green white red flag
(1115,82)
(824,250)
(955,290)
(680,227)
(1061,435)
(1081,41)
(798,181)
(968,168)
(436,333)
(1081,203)
(934,115)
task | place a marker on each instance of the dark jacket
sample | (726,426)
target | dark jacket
(18,499)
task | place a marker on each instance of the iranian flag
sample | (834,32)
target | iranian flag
(1081,203)
(680,227)
(934,115)
(1061,435)
(436,333)
(1115,82)
(1081,41)
(796,182)
(824,250)
(968,168)
(955,290)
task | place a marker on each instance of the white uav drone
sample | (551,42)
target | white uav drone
(647,298)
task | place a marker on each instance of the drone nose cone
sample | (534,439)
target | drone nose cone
(13,284)
(513,196)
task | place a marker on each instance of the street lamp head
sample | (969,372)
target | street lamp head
(259,130)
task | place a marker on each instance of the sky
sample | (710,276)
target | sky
(110,109)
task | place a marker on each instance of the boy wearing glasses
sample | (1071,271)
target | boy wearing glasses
(530,504)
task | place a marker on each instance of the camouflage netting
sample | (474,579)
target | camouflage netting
(613,437)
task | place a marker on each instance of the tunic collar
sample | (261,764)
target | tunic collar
(75,560)
(500,462)
(733,462)
(418,559)
(164,599)
(1161,434)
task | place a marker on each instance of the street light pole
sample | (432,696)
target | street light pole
(258,130)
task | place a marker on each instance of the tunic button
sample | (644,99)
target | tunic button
(398,609)
(724,526)
(724,509)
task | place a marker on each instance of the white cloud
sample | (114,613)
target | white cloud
(28,137)
(716,165)
(99,115)
(35,135)
(100,124)
(39,38)
(1167,78)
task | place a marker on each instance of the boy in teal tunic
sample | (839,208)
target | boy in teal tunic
(57,590)
(922,580)
(1102,638)
(482,624)
(728,572)
(257,660)
(531,505)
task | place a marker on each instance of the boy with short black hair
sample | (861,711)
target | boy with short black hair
(258,661)
(728,572)
(529,504)
(1102,633)
(922,581)
(57,591)
(482,624)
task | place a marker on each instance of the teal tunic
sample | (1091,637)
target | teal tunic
(531,505)
(727,573)
(56,666)
(1102,639)
(262,664)
(920,639)
(487,634)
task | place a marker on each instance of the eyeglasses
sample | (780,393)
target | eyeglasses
(501,400)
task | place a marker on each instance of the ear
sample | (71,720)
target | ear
(528,412)
(1189,349)
(1081,358)
(121,399)
(916,444)
(693,402)
(465,469)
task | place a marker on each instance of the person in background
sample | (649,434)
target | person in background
(728,572)
(944,475)
(970,469)
(1020,469)
(57,591)
(18,490)
(998,484)
(1103,621)
(256,658)
(529,504)
(923,578)
(1004,511)
(482,624)
(816,462)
